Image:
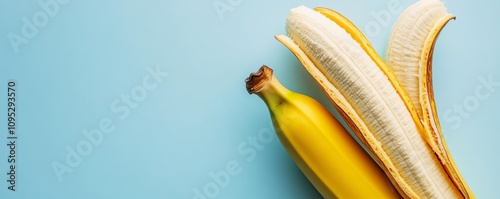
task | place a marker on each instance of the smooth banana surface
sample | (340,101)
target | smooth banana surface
(370,98)
(409,54)
(321,147)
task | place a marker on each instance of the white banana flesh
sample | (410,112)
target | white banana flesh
(369,102)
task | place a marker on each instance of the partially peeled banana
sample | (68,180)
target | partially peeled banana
(389,104)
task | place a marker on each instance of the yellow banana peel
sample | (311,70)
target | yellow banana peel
(321,147)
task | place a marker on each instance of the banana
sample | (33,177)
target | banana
(409,54)
(370,98)
(321,147)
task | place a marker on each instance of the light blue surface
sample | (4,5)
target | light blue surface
(199,118)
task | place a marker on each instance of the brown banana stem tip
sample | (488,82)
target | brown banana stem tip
(257,80)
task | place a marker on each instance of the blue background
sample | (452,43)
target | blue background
(90,53)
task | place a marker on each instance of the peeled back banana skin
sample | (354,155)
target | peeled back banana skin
(409,53)
(370,98)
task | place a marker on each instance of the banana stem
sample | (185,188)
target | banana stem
(264,84)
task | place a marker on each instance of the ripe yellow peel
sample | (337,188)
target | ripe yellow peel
(420,25)
(332,175)
(429,116)
(320,146)
(429,111)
